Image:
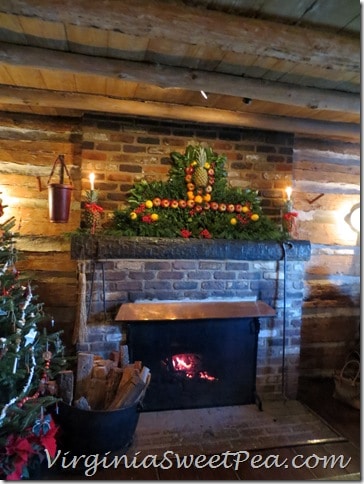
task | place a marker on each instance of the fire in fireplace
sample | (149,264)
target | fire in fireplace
(200,354)
(187,366)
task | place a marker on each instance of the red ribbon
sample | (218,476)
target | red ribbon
(93,207)
(290,215)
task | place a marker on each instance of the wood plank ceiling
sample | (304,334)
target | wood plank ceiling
(275,64)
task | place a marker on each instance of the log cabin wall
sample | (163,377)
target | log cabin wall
(123,150)
(29,145)
(326,184)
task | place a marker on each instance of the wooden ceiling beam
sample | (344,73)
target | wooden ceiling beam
(175,21)
(106,105)
(178,77)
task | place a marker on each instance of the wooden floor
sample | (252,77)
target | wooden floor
(272,464)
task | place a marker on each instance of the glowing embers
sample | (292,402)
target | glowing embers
(187,366)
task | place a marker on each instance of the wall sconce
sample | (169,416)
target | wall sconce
(353,218)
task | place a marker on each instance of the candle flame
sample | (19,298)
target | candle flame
(289,192)
(92,180)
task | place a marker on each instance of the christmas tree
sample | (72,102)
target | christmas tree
(29,360)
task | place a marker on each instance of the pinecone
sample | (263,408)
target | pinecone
(200,176)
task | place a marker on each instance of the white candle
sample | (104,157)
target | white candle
(92,180)
(289,193)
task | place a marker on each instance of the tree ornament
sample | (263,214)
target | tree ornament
(30,337)
(47,356)
(3,348)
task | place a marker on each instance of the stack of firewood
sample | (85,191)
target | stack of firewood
(105,384)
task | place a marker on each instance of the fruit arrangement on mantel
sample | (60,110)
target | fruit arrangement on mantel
(195,202)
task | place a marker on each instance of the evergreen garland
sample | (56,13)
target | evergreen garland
(192,203)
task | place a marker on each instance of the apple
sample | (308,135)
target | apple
(214,205)
(156,201)
(174,203)
(182,204)
(165,203)
(211,172)
(222,207)
(206,206)
(190,203)
(188,178)
(198,208)
(231,208)
(238,207)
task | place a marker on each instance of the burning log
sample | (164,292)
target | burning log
(187,366)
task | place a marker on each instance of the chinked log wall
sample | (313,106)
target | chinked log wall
(29,145)
(123,270)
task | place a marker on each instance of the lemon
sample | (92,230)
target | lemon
(154,217)
(133,215)
(233,221)
(149,204)
(254,217)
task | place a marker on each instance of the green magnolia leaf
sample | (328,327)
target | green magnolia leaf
(208,213)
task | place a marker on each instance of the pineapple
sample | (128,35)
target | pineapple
(200,176)
(92,212)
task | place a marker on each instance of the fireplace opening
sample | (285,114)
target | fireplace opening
(200,354)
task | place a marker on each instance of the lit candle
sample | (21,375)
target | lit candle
(289,193)
(92,180)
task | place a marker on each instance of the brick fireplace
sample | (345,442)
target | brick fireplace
(123,270)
